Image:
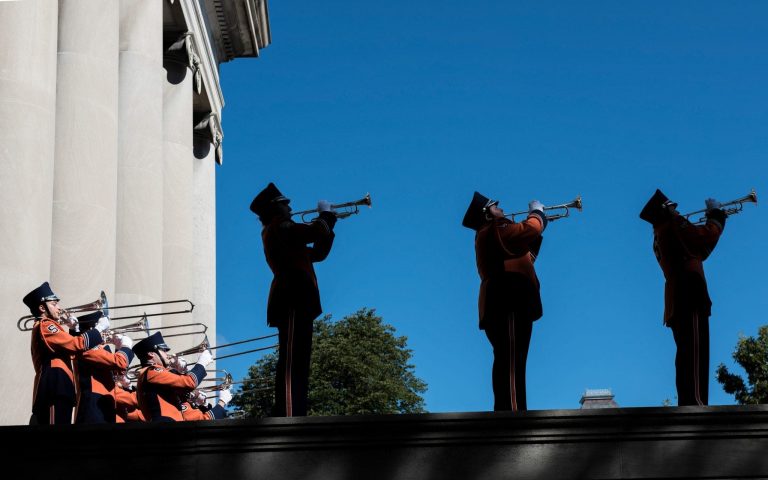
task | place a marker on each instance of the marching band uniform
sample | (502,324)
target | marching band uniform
(681,248)
(94,373)
(193,411)
(127,405)
(294,298)
(52,349)
(161,391)
(509,300)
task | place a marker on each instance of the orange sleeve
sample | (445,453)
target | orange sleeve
(161,376)
(701,239)
(104,359)
(516,236)
(125,399)
(192,414)
(58,339)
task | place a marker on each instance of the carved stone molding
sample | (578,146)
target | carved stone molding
(184,48)
(210,129)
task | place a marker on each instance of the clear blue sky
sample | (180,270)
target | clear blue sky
(422,102)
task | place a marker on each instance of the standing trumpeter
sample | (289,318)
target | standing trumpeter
(290,249)
(54,342)
(509,300)
(681,248)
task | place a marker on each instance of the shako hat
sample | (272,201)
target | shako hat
(150,344)
(270,195)
(89,321)
(475,216)
(38,296)
(656,208)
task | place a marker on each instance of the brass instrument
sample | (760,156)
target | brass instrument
(575,203)
(351,208)
(25,323)
(739,206)
(205,345)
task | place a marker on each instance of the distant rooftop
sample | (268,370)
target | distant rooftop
(598,398)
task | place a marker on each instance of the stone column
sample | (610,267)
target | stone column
(85,168)
(177,185)
(27,130)
(207,138)
(139,269)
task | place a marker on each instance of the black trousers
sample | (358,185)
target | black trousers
(292,376)
(57,411)
(691,332)
(510,339)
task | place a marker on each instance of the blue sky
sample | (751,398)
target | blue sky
(421,103)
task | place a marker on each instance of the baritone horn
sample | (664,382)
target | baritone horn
(347,209)
(736,206)
(565,207)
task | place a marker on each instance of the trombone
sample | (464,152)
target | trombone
(26,322)
(565,207)
(205,345)
(738,206)
(349,208)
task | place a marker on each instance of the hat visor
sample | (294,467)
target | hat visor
(51,298)
(163,347)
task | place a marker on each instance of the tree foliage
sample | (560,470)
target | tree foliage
(752,354)
(358,366)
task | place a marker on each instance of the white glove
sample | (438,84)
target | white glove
(178,363)
(225,396)
(205,358)
(102,324)
(535,205)
(71,322)
(712,204)
(324,206)
(199,397)
(122,341)
(123,381)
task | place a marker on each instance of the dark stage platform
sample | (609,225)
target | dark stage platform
(666,442)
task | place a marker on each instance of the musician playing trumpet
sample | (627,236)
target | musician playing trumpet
(290,249)
(509,300)
(681,248)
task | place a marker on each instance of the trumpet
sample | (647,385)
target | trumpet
(565,207)
(738,206)
(349,208)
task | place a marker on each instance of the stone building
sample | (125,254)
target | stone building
(598,398)
(110,136)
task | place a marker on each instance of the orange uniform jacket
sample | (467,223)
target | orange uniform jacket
(94,370)
(127,406)
(192,413)
(287,250)
(162,391)
(52,351)
(503,247)
(680,249)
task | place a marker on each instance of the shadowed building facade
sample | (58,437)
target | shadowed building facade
(110,134)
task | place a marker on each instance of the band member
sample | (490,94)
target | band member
(52,348)
(126,402)
(680,249)
(161,390)
(294,298)
(196,408)
(95,371)
(509,299)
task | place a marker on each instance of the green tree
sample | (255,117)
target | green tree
(752,354)
(358,366)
